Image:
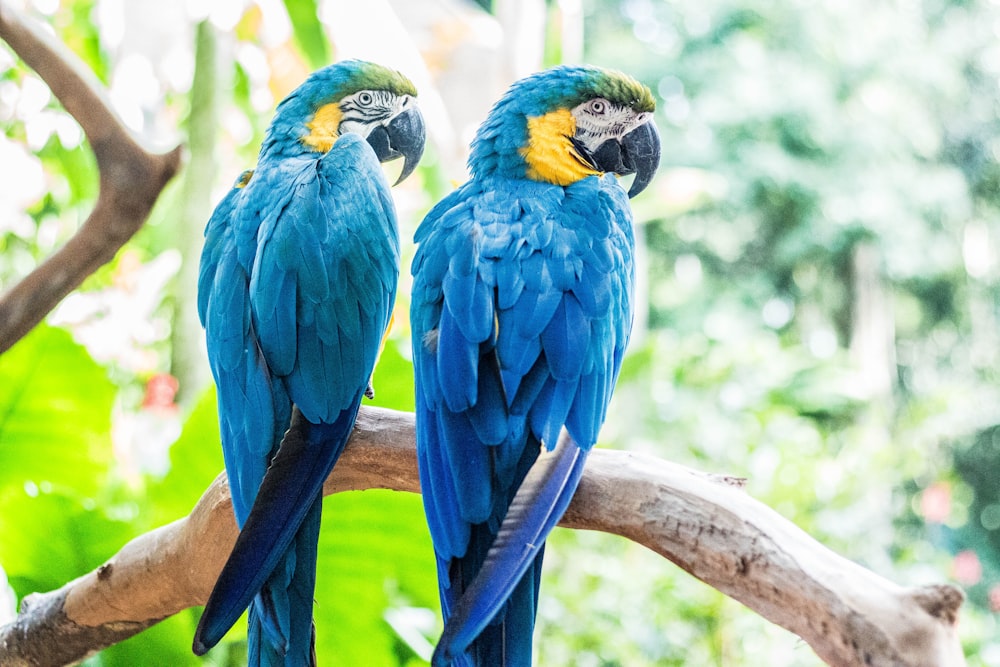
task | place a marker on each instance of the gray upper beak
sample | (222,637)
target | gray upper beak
(402,137)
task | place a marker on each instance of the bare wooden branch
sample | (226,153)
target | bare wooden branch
(131,179)
(704,523)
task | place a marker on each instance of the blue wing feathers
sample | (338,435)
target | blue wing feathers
(457,365)
(470,464)
(533,312)
(510,284)
(312,359)
(593,293)
(426,368)
(274,320)
(566,341)
(248,387)
(551,407)
(534,270)
(587,413)
(218,246)
(470,304)
(438,486)
(517,352)
(488,415)
(231,306)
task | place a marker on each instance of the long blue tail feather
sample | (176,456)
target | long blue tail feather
(280,630)
(261,653)
(290,492)
(536,508)
(506,641)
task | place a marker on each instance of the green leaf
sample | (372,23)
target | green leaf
(374,552)
(166,643)
(55,414)
(309,32)
(78,165)
(393,378)
(50,538)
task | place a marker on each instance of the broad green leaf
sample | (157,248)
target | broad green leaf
(49,538)
(166,643)
(79,167)
(309,32)
(375,551)
(393,378)
(55,414)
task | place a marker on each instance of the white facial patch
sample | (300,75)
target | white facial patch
(598,120)
(365,109)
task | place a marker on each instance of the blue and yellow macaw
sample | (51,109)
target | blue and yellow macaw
(297,284)
(521,310)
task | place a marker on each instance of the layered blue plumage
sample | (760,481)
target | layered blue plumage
(521,311)
(298,279)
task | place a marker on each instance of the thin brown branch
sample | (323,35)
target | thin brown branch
(704,523)
(131,179)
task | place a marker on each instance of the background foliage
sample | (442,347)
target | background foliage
(819,268)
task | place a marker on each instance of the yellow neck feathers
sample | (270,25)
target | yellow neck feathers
(550,154)
(323,128)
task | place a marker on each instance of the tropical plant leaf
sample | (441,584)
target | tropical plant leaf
(374,553)
(166,643)
(308,31)
(50,537)
(393,378)
(55,414)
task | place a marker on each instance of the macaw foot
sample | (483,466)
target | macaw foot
(370,391)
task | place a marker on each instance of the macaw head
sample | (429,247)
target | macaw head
(569,122)
(351,96)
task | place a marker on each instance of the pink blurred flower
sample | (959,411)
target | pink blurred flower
(160,392)
(935,502)
(995,598)
(967,568)
(142,437)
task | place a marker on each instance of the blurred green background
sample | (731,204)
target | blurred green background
(818,274)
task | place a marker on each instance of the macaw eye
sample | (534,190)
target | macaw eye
(365,98)
(598,107)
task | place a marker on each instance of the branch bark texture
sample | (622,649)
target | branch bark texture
(131,179)
(704,523)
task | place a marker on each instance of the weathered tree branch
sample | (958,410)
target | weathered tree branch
(131,180)
(850,616)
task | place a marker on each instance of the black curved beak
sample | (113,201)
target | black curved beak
(403,137)
(638,152)
(641,147)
